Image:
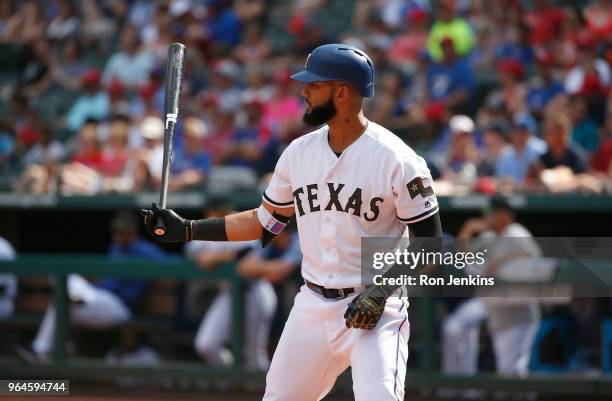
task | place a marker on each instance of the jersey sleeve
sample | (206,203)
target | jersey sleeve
(415,199)
(279,192)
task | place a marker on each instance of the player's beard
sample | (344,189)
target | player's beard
(321,114)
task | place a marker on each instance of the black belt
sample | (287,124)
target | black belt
(331,293)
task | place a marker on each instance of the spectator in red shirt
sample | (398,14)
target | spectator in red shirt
(222,128)
(89,152)
(512,89)
(544,21)
(598,16)
(591,75)
(408,45)
(566,46)
(602,161)
(116,153)
(28,133)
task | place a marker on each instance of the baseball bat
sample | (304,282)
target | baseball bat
(174,82)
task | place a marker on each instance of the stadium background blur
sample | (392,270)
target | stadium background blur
(466,83)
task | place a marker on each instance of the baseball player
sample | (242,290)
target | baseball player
(8,282)
(109,301)
(264,266)
(351,178)
(512,322)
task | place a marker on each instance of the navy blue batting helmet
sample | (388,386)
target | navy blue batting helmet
(339,62)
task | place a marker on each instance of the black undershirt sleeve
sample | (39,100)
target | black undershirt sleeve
(426,235)
(430,227)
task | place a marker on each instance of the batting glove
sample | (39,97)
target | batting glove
(178,229)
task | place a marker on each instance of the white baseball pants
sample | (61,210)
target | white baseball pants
(316,347)
(460,335)
(99,309)
(513,347)
(215,329)
(460,342)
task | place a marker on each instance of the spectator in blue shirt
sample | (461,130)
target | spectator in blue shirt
(92,104)
(495,144)
(132,63)
(543,87)
(127,244)
(110,301)
(247,147)
(516,46)
(451,80)
(585,132)
(525,148)
(223,25)
(191,163)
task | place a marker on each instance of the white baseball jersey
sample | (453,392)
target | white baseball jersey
(373,189)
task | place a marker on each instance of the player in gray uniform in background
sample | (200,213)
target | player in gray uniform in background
(512,322)
(265,267)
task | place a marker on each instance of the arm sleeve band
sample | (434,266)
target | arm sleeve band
(272,224)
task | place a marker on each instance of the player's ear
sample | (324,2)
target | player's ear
(342,93)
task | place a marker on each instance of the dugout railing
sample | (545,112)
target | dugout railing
(574,203)
(425,376)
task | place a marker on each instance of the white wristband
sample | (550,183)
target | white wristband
(269,222)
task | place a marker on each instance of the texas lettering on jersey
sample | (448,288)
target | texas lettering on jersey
(306,201)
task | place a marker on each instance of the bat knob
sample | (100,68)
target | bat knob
(160,228)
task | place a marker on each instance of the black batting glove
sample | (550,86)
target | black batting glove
(365,309)
(178,229)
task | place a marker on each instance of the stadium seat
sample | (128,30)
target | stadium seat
(227,178)
(554,346)
(606,346)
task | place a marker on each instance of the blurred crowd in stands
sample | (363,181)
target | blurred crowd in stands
(498,95)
